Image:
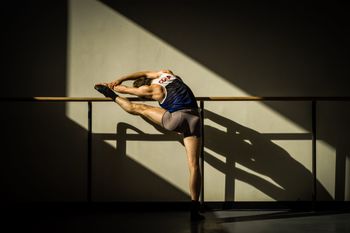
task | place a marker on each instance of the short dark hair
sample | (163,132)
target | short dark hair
(142,81)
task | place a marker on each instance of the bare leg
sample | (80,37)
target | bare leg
(152,113)
(192,145)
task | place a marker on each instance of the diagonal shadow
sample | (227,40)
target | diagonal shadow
(51,165)
(259,47)
(44,153)
(255,44)
(122,173)
(258,153)
(288,48)
(26,177)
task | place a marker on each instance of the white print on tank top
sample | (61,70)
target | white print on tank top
(164,80)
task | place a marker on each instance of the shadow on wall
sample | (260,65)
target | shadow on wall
(336,116)
(265,48)
(44,153)
(287,48)
(34,47)
(119,178)
(39,162)
(44,158)
(284,48)
(258,153)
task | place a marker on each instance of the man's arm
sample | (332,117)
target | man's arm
(133,76)
(139,74)
(140,91)
(136,75)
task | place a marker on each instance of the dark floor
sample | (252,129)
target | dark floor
(86,220)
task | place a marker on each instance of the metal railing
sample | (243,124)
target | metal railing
(89,100)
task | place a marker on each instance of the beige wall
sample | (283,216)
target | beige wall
(253,153)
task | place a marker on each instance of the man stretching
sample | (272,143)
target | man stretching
(178,112)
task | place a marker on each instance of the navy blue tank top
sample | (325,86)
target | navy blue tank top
(177,94)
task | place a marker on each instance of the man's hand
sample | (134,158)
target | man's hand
(104,84)
(113,84)
(110,85)
(119,88)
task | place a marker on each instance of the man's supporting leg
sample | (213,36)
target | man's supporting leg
(192,146)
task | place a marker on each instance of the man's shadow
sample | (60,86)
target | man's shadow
(255,151)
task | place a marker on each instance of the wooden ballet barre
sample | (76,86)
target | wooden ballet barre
(207,98)
(89,100)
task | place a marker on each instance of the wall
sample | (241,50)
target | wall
(42,151)
(254,151)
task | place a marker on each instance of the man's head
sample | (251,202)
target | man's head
(142,81)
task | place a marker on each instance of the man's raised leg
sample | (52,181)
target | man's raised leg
(152,113)
(155,114)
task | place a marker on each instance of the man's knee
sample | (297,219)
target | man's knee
(193,164)
(137,109)
(131,108)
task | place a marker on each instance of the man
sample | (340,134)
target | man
(178,112)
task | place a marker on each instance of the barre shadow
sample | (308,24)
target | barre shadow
(121,172)
(255,151)
(123,136)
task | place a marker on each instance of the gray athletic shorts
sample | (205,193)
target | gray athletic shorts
(185,121)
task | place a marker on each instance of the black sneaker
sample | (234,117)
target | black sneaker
(194,212)
(106,91)
(196,217)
